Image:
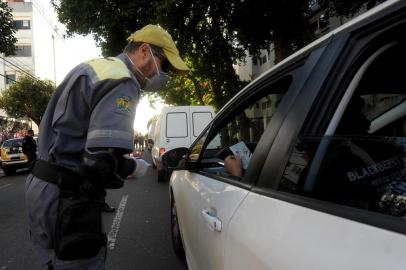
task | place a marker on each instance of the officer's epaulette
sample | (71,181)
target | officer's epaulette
(109,68)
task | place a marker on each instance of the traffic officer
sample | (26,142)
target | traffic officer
(86,132)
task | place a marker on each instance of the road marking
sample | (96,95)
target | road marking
(112,236)
(6,185)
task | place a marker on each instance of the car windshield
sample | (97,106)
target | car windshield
(12,143)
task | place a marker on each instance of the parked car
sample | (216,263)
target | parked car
(324,180)
(177,126)
(12,157)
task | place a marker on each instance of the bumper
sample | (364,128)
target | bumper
(14,164)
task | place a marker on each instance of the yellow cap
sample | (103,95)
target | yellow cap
(156,35)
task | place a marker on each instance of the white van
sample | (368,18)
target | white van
(177,127)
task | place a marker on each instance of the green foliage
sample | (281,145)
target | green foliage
(28,97)
(7,30)
(212,35)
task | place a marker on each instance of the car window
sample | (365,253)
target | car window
(361,161)
(13,143)
(241,133)
(176,125)
(199,121)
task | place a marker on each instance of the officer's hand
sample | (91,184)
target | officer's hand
(233,165)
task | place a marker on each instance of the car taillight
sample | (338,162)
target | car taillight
(161,151)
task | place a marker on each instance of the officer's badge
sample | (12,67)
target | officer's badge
(124,103)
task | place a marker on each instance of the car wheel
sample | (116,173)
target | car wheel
(9,171)
(175,232)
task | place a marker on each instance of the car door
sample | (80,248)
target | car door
(207,195)
(330,195)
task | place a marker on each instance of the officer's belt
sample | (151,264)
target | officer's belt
(53,173)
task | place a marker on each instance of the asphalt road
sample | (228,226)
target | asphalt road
(139,231)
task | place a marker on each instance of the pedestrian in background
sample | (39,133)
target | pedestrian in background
(30,148)
(86,134)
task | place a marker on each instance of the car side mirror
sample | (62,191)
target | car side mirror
(175,158)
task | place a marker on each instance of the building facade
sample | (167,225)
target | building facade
(37,48)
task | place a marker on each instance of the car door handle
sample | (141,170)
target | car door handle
(213,221)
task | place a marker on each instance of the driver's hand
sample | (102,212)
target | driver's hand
(233,165)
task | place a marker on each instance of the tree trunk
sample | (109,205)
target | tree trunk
(283,48)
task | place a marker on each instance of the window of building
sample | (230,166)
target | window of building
(22,24)
(361,160)
(10,78)
(23,50)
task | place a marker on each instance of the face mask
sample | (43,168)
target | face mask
(158,81)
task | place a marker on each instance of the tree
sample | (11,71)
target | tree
(212,35)
(28,97)
(7,30)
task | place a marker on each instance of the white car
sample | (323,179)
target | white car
(324,176)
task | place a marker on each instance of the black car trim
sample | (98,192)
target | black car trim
(375,219)
(278,154)
(356,51)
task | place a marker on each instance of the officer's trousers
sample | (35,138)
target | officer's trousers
(42,205)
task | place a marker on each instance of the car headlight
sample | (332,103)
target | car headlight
(4,155)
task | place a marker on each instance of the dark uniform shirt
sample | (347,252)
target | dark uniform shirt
(93,107)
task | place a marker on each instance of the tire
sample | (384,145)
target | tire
(9,171)
(176,237)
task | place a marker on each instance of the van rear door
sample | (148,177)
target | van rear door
(177,129)
(200,118)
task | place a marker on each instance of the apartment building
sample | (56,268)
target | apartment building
(38,42)
(37,49)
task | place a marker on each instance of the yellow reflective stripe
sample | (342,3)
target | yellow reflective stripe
(109,68)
